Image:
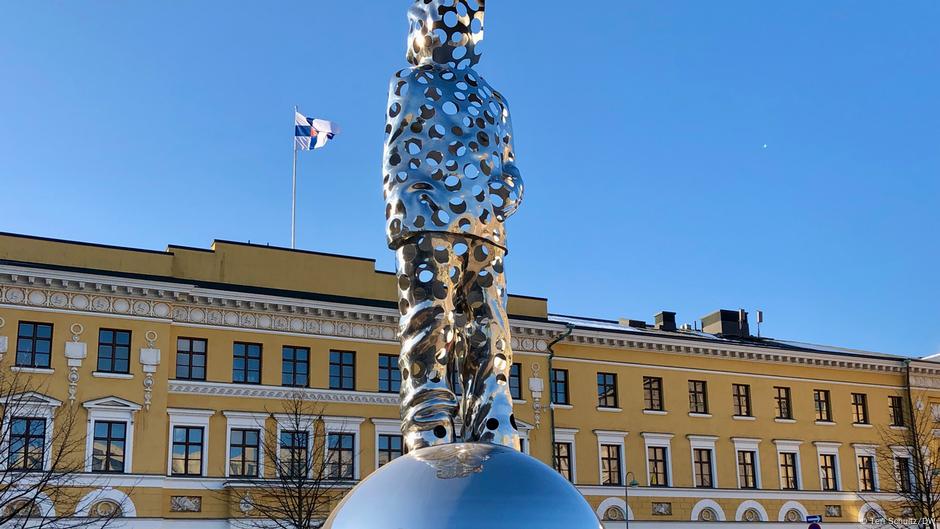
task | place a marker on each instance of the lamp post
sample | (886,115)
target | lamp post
(630,481)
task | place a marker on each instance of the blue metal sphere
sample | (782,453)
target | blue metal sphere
(464,486)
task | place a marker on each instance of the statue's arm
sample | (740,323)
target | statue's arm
(508,185)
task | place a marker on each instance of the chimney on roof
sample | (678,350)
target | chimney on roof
(666,321)
(637,324)
(727,323)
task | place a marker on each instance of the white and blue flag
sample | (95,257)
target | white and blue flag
(310,133)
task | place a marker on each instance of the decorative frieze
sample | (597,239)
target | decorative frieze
(221,389)
(188,304)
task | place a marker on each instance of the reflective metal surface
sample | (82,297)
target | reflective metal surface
(464,486)
(450,182)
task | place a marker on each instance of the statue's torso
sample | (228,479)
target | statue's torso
(446,138)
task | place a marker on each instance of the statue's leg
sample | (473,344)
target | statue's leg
(425,292)
(487,406)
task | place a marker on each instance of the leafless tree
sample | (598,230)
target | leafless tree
(42,461)
(302,478)
(908,462)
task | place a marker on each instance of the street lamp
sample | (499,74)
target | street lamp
(630,483)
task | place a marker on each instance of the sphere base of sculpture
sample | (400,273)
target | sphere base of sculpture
(464,486)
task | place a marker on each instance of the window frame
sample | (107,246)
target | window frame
(560,385)
(557,458)
(698,465)
(607,390)
(341,365)
(191,353)
(783,402)
(896,411)
(27,437)
(698,397)
(657,461)
(653,397)
(33,338)
(187,445)
(246,359)
(292,449)
(860,409)
(390,374)
(108,455)
(389,452)
(114,344)
(335,469)
(185,417)
(243,461)
(744,466)
(741,401)
(822,404)
(788,464)
(515,381)
(293,363)
(606,458)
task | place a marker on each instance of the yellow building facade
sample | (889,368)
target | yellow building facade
(665,426)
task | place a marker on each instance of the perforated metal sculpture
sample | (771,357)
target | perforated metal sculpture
(450,183)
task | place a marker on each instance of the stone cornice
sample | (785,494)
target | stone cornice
(226,389)
(186,304)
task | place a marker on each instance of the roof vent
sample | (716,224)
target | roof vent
(727,323)
(666,321)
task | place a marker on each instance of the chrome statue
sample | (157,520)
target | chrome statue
(450,182)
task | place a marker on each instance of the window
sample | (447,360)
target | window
(190,359)
(782,403)
(108,446)
(859,408)
(562,459)
(610,465)
(389,374)
(390,447)
(342,370)
(293,453)
(187,451)
(823,407)
(515,381)
(560,386)
(702,459)
(866,473)
(897,411)
(34,344)
(741,395)
(789,478)
(747,476)
(243,453)
(827,472)
(698,396)
(246,363)
(607,390)
(27,443)
(295,366)
(114,351)
(341,458)
(905,475)
(653,393)
(656,456)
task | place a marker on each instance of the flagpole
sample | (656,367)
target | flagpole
(293,199)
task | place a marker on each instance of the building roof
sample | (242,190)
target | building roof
(283,272)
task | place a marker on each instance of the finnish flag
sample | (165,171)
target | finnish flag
(312,133)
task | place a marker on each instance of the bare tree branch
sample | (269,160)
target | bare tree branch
(302,478)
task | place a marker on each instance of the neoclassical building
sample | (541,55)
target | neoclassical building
(172,358)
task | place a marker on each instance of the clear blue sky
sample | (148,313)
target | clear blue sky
(640,131)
